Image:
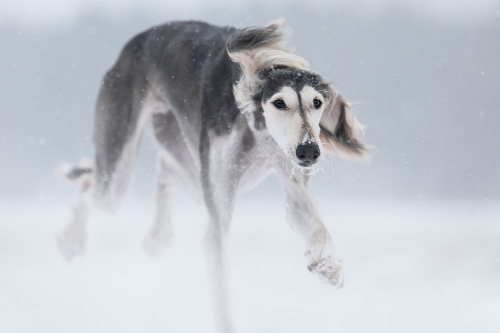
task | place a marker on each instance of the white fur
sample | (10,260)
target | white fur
(287,127)
(71,240)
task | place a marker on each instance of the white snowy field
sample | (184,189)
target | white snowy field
(410,267)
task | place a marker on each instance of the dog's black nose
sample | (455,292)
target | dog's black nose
(308,153)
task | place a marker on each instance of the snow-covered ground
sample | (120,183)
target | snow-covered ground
(410,267)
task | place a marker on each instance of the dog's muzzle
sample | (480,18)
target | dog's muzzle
(308,154)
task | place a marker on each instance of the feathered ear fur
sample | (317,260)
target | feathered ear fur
(341,133)
(256,49)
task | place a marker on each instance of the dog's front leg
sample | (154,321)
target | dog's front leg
(302,217)
(219,184)
(220,208)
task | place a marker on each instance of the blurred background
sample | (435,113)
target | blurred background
(423,76)
(418,225)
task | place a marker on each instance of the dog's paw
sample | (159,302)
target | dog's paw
(71,243)
(71,240)
(329,269)
(157,242)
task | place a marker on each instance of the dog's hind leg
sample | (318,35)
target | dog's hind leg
(124,106)
(71,240)
(175,167)
(161,232)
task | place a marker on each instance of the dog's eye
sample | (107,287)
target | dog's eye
(317,103)
(280,104)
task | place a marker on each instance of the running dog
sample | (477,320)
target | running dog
(227,107)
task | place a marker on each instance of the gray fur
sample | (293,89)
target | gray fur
(180,78)
(254,37)
(76,173)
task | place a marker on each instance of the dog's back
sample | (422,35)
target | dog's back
(176,67)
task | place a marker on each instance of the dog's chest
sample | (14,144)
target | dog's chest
(254,174)
(257,163)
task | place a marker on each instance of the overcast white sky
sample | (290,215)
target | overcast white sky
(60,12)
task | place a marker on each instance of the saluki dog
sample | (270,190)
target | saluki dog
(227,107)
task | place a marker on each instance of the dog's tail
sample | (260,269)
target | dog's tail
(256,37)
(77,172)
(85,171)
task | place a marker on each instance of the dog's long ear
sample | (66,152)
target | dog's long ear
(256,49)
(341,133)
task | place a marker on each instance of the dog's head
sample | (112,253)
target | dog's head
(301,111)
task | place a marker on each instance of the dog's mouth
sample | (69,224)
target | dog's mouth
(307,168)
(306,164)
